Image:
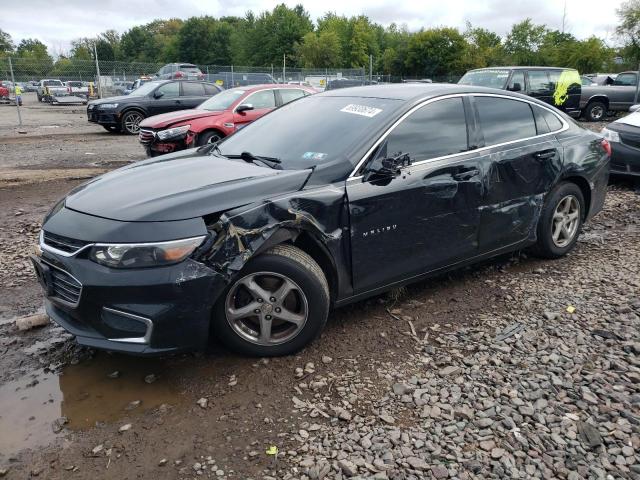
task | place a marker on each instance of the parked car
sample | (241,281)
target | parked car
(586,81)
(182,71)
(49,87)
(124,113)
(254,239)
(239,79)
(617,96)
(602,78)
(624,137)
(560,87)
(344,83)
(31,86)
(77,88)
(122,87)
(215,118)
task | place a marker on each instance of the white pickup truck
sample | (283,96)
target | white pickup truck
(78,88)
(50,87)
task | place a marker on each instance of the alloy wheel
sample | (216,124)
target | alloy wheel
(132,122)
(566,219)
(597,112)
(266,308)
(213,139)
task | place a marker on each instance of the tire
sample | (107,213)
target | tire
(595,111)
(112,128)
(555,205)
(307,303)
(210,136)
(39,97)
(130,123)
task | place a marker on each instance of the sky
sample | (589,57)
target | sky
(70,19)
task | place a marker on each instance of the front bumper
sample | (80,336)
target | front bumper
(103,117)
(143,311)
(154,146)
(625,160)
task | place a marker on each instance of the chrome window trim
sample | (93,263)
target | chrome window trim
(427,101)
(139,340)
(304,94)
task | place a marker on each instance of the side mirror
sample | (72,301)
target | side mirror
(244,107)
(516,87)
(157,94)
(389,168)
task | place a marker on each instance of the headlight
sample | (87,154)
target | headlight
(610,135)
(173,132)
(107,106)
(141,255)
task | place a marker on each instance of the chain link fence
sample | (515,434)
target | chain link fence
(108,78)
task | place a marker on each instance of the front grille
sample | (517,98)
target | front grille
(146,136)
(65,244)
(64,286)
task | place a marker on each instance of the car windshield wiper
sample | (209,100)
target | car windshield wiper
(211,147)
(249,157)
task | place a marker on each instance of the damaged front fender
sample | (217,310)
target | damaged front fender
(240,234)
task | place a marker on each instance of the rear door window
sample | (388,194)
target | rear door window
(290,94)
(434,130)
(504,120)
(539,81)
(210,89)
(546,121)
(192,89)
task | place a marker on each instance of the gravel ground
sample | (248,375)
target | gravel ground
(515,368)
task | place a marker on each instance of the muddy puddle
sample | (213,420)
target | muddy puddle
(105,388)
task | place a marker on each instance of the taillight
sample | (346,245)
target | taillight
(68,89)
(178,74)
(606,145)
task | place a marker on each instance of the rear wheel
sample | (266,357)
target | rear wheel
(211,136)
(595,111)
(131,122)
(278,304)
(560,221)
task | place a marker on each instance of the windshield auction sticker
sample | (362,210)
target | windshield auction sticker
(361,110)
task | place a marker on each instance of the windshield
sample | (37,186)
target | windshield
(313,130)
(145,89)
(222,100)
(485,78)
(52,83)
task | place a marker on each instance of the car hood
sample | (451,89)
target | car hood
(165,119)
(633,120)
(180,186)
(119,98)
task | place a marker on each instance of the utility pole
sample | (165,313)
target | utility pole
(95,53)
(564,16)
(284,67)
(13,80)
(370,69)
(635,97)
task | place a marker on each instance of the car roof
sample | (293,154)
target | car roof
(412,91)
(521,68)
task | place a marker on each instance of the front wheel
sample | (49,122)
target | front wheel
(206,138)
(111,128)
(595,111)
(131,122)
(278,304)
(560,221)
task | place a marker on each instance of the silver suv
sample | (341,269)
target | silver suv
(180,71)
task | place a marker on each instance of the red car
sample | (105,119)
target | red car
(215,118)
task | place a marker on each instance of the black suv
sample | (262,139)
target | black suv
(560,87)
(124,113)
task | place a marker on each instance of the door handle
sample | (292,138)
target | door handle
(545,154)
(466,174)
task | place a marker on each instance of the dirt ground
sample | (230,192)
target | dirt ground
(69,412)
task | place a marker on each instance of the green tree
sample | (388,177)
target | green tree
(436,52)
(629,31)
(319,50)
(523,43)
(6,44)
(590,55)
(274,34)
(205,40)
(32,58)
(485,47)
